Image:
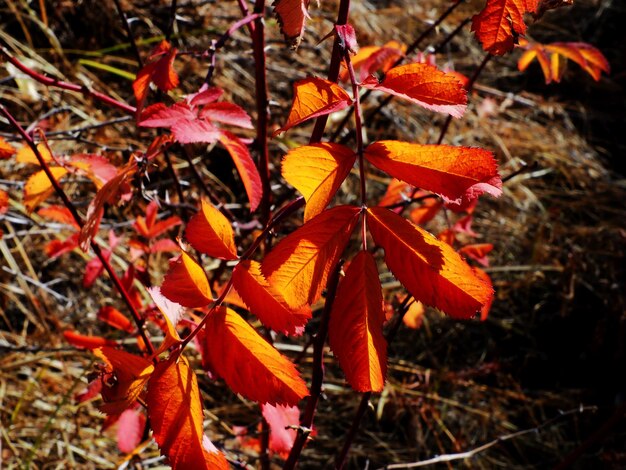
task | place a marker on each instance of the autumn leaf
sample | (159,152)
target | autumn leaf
(245,166)
(130,429)
(158,70)
(123,380)
(86,341)
(38,188)
(186,283)
(429,269)
(60,214)
(26,155)
(175,413)
(500,22)
(456,173)
(588,57)
(484,311)
(113,317)
(267,303)
(356,326)
(299,265)
(370,59)
(149,227)
(210,232)
(414,316)
(478,252)
(314,97)
(425,85)
(4,202)
(317,171)
(283,421)
(292,15)
(6,149)
(248,363)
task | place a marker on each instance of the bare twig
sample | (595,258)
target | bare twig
(471,453)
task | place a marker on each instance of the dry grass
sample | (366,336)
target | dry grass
(558,267)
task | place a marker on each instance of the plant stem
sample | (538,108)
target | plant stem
(306,423)
(278,216)
(262,108)
(172,20)
(53,82)
(139,321)
(333,69)
(129,31)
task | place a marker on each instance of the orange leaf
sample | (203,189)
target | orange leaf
(454,172)
(38,188)
(186,283)
(300,264)
(484,312)
(314,97)
(478,252)
(175,412)
(59,214)
(370,59)
(414,316)
(4,201)
(397,191)
(6,149)
(248,363)
(292,15)
(426,211)
(211,233)
(425,85)
(317,171)
(588,57)
(158,70)
(265,302)
(356,326)
(500,22)
(429,269)
(26,155)
(115,318)
(123,380)
(245,166)
(86,341)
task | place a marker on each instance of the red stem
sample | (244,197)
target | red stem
(306,423)
(333,69)
(262,107)
(53,82)
(139,321)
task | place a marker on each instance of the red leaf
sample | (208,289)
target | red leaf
(59,214)
(210,232)
(96,167)
(317,171)
(456,173)
(300,264)
(159,115)
(484,312)
(130,428)
(356,326)
(424,85)
(124,379)
(248,363)
(6,149)
(292,15)
(56,248)
(86,341)
(148,227)
(186,283)
(267,303)
(158,70)
(175,412)
(500,22)
(227,113)
(115,318)
(370,59)
(314,97)
(283,421)
(245,166)
(478,252)
(429,269)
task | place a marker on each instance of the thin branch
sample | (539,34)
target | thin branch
(129,31)
(471,453)
(53,82)
(306,423)
(172,21)
(139,321)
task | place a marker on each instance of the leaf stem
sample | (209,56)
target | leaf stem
(139,321)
